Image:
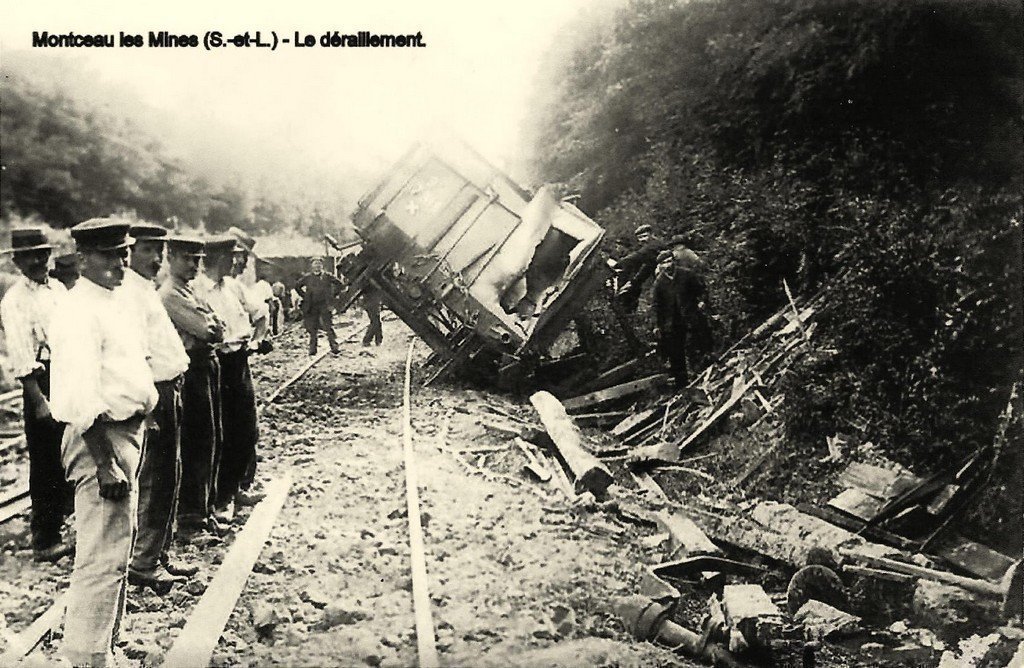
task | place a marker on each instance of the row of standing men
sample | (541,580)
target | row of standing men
(140,410)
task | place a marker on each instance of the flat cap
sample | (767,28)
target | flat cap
(185,245)
(641,229)
(221,244)
(145,230)
(101,234)
(27,239)
(66,261)
(666,255)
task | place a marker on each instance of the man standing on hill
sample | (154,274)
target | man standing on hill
(27,310)
(160,469)
(637,268)
(318,289)
(103,391)
(679,292)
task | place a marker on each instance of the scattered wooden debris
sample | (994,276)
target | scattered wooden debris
(587,470)
(611,394)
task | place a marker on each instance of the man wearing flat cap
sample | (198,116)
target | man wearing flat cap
(103,390)
(679,294)
(637,267)
(27,310)
(200,331)
(160,469)
(238,396)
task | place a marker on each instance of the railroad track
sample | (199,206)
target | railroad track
(243,551)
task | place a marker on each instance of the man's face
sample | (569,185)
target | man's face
(643,237)
(104,267)
(666,266)
(318,266)
(239,260)
(147,256)
(33,264)
(219,264)
(183,266)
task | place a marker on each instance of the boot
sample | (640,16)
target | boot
(248,498)
(54,553)
(179,568)
(158,579)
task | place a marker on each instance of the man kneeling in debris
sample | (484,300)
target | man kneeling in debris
(679,294)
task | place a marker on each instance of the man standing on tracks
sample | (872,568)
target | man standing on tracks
(318,290)
(102,390)
(238,396)
(27,310)
(371,302)
(160,469)
(679,293)
(200,331)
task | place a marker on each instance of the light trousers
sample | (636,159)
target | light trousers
(105,535)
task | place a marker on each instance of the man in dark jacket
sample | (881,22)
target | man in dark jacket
(679,293)
(318,290)
(637,267)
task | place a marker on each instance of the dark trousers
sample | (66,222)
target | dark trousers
(159,478)
(316,319)
(48,489)
(673,346)
(200,437)
(240,429)
(374,332)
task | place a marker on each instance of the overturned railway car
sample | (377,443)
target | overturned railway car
(485,273)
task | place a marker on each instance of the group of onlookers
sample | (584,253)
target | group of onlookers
(139,405)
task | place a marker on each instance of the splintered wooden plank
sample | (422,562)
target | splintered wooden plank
(858,503)
(614,393)
(634,421)
(975,558)
(876,480)
(194,647)
(21,644)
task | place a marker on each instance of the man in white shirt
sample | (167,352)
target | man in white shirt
(26,311)
(102,390)
(237,394)
(160,469)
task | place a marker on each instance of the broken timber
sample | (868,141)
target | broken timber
(588,472)
(21,644)
(615,393)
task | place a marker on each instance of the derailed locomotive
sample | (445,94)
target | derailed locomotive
(486,273)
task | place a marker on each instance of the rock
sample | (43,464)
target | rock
(264,619)
(315,597)
(951,611)
(822,621)
(564,620)
(195,587)
(970,652)
(899,627)
(342,613)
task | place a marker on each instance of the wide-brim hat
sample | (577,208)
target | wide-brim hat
(101,234)
(27,239)
(245,240)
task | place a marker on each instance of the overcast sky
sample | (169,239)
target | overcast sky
(474,76)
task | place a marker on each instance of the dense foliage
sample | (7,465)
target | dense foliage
(808,139)
(65,159)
